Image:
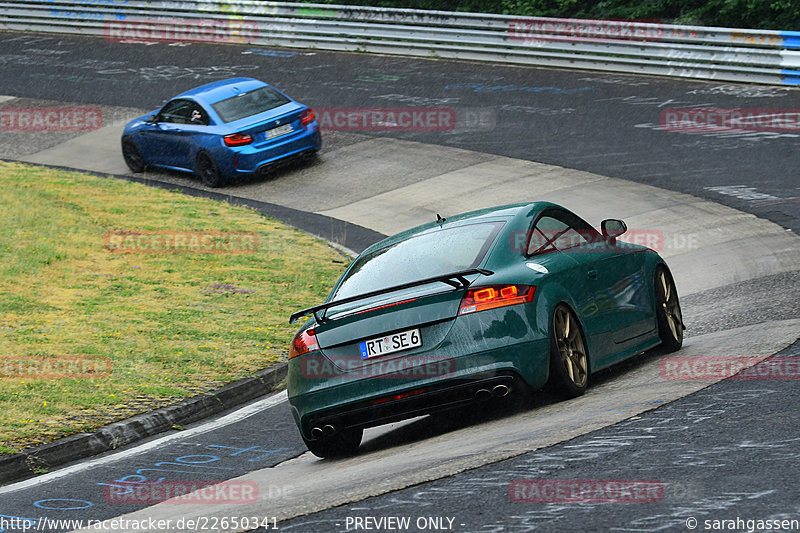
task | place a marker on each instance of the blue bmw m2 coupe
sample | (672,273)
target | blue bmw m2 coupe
(221,131)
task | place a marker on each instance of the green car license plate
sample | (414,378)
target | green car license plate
(395,342)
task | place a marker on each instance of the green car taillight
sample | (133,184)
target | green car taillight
(491,297)
(304,342)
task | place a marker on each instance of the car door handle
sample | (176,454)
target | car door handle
(592,273)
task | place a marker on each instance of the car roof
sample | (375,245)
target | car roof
(508,211)
(211,93)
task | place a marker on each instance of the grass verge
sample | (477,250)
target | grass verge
(96,325)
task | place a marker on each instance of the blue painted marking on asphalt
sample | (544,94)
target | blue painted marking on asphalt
(273,53)
(82,504)
(263,454)
(185,459)
(791,39)
(790,77)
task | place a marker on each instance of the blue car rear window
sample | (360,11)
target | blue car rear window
(423,256)
(248,104)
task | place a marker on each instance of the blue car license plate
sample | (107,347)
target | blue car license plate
(278,132)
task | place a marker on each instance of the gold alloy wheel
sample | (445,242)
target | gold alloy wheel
(570,346)
(668,299)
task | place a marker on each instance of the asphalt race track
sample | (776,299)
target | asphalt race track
(600,123)
(593,142)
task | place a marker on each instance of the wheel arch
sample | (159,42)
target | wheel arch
(552,295)
(128,138)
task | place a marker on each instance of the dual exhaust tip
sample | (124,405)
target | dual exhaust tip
(325,431)
(498,391)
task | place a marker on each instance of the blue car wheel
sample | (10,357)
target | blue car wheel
(132,155)
(208,171)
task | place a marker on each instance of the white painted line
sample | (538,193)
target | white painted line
(231,418)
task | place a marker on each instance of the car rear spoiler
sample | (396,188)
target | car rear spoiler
(457,280)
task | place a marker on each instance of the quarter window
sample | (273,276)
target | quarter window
(558,231)
(183,112)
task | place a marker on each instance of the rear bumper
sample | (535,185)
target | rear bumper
(256,159)
(454,393)
(366,402)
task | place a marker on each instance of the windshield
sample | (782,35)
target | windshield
(250,103)
(423,256)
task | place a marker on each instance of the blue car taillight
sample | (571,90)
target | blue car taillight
(237,139)
(304,342)
(307,117)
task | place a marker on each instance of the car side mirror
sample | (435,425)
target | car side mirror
(612,228)
(152,119)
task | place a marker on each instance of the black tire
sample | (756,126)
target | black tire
(133,156)
(569,361)
(208,171)
(341,444)
(668,310)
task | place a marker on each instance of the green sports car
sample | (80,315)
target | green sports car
(470,307)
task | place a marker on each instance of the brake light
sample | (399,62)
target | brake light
(483,298)
(237,139)
(304,342)
(384,306)
(307,117)
(401,396)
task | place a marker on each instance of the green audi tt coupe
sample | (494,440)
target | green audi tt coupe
(470,307)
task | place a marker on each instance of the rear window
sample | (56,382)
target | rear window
(248,104)
(423,256)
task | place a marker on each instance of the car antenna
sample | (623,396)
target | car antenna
(439,219)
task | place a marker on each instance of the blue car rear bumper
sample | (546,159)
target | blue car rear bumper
(253,158)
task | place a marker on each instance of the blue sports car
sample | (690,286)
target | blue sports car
(221,131)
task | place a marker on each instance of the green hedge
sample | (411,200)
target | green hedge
(760,14)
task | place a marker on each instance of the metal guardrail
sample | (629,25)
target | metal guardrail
(645,47)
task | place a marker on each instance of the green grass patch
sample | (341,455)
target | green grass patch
(140,330)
